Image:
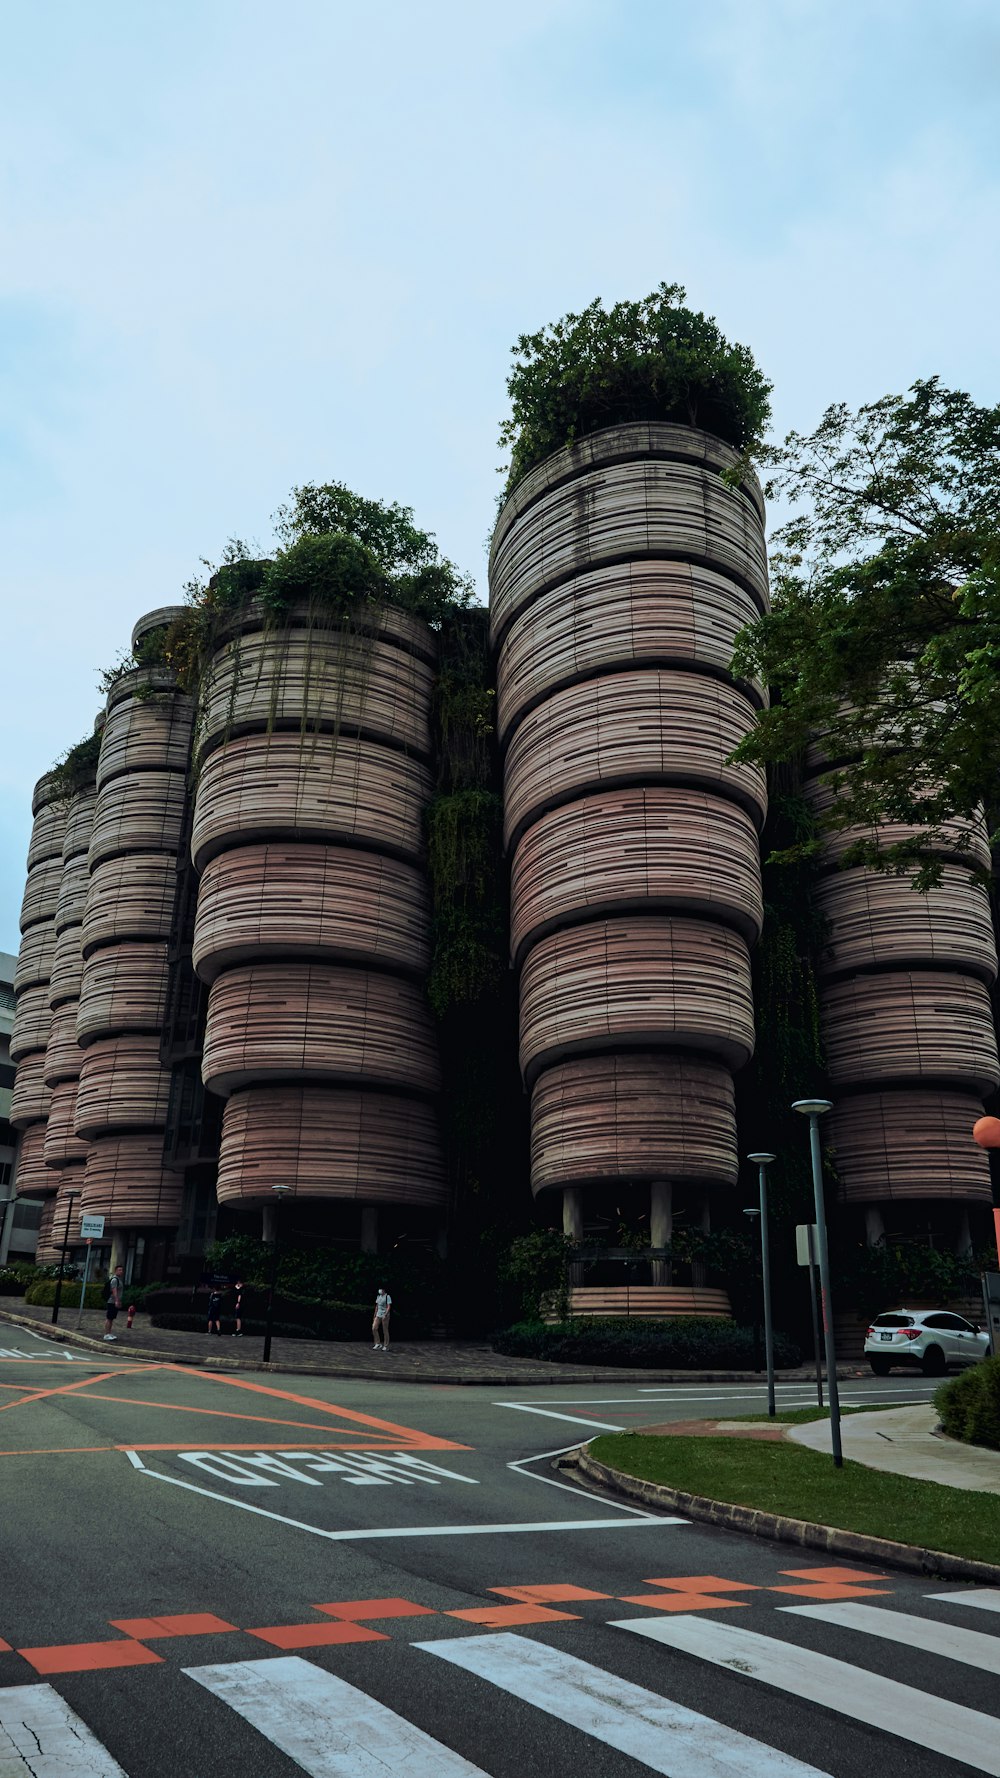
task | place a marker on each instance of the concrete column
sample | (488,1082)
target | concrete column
(119,1249)
(441,1241)
(267,1223)
(963,1238)
(661,1225)
(701,1218)
(572,1209)
(369,1228)
(874,1225)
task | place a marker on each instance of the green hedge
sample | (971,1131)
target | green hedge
(316,1320)
(969,1406)
(688,1343)
(43,1294)
(286,1330)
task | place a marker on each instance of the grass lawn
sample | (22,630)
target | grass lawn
(802,1484)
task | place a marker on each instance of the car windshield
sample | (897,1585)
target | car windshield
(893,1321)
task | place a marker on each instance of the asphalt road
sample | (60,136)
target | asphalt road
(207,1576)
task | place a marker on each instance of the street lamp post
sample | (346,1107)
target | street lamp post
(71,1198)
(763,1161)
(814,1109)
(279,1191)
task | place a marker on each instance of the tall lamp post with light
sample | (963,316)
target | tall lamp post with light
(814,1109)
(762,1162)
(71,1198)
(279,1192)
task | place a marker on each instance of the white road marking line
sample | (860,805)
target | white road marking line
(262,1512)
(330,1728)
(135,1460)
(929,1634)
(41,1737)
(968,1736)
(664,1736)
(577,1419)
(983,1598)
(569,1487)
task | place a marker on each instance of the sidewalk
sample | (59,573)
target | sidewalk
(903,1441)
(444,1362)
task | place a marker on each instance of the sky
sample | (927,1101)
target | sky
(246,245)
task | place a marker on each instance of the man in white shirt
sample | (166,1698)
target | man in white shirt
(383,1309)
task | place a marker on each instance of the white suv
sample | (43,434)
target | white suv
(932,1338)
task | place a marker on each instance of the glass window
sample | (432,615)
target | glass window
(893,1321)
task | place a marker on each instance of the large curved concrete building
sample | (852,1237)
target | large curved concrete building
(312,926)
(43,1143)
(908,1030)
(135,839)
(622,569)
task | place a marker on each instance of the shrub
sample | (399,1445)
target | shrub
(687,1343)
(43,1294)
(286,1330)
(315,1319)
(648,360)
(969,1405)
(12,1283)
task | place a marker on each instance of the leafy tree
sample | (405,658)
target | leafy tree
(375,538)
(884,638)
(647,360)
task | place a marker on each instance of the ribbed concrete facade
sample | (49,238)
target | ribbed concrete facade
(312,925)
(233,910)
(123,1089)
(908,1025)
(32,1099)
(621,571)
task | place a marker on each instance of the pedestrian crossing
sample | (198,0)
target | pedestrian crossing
(331,1728)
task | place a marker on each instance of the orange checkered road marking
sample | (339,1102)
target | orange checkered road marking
(531,1604)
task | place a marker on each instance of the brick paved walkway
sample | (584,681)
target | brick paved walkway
(432,1361)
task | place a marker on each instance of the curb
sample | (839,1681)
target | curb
(351,1373)
(784,1530)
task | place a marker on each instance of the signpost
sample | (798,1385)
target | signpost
(805,1253)
(991,1309)
(91,1230)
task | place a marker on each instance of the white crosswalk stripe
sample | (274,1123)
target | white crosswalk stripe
(936,1724)
(949,1640)
(41,1737)
(666,1737)
(330,1728)
(983,1598)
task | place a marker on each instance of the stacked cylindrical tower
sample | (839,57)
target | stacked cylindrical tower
(121,1103)
(31,1100)
(64,1058)
(622,569)
(907,1027)
(313,925)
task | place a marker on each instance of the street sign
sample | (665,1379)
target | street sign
(802,1252)
(91,1228)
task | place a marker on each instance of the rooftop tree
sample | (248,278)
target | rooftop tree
(648,360)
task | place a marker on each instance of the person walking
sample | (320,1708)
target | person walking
(215,1313)
(380,1325)
(114,1290)
(238,1311)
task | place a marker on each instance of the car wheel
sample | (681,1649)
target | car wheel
(934,1365)
(880,1366)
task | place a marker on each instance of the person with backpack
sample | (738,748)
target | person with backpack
(215,1312)
(114,1289)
